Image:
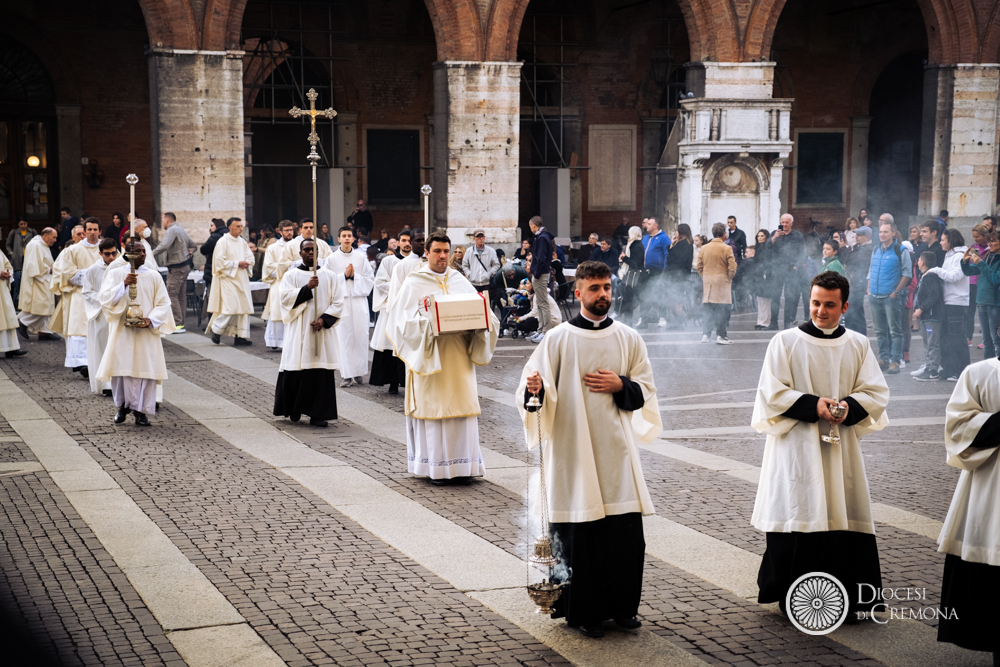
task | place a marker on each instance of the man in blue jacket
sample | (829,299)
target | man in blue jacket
(888,275)
(657,245)
(541,267)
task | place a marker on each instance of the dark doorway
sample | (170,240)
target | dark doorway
(894,139)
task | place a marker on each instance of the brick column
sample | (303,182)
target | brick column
(958,149)
(196,116)
(477,107)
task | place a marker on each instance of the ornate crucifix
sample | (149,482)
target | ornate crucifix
(313,158)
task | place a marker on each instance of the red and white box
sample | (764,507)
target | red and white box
(455,313)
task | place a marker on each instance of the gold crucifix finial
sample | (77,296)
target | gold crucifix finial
(296,112)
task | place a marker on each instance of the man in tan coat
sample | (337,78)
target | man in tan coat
(717,266)
(37,302)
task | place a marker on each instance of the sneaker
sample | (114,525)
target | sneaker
(662,323)
(892,369)
(928,376)
(347,383)
(923,367)
(723,340)
(902,364)
(970,343)
(535,338)
(179,329)
(704,339)
(883,364)
(953,378)
(638,323)
(906,356)
(980,346)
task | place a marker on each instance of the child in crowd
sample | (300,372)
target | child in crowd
(928,313)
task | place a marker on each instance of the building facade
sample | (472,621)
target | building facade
(590,110)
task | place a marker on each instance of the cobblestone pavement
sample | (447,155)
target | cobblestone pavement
(318,583)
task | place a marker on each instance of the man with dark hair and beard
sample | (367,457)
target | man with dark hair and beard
(595,383)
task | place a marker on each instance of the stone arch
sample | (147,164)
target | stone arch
(721,173)
(171,24)
(503,29)
(458,29)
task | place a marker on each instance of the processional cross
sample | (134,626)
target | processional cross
(313,158)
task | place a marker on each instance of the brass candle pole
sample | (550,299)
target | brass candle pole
(133,311)
(313,158)
(426,192)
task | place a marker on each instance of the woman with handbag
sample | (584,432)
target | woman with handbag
(632,273)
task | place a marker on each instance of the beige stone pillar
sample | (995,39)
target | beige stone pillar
(476,134)
(196,116)
(859,164)
(958,151)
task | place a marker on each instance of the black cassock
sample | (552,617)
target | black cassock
(850,556)
(969,589)
(387,368)
(311,392)
(604,558)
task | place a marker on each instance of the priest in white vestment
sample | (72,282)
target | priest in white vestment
(387,369)
(594,380)
(310,307)
(306,231)
(276,262)
(70,316)
(97,323)
(970,535)
(352,332)
(442,401)
(133,361)
(36,300)
(230,301)
(812,499)
(8,315)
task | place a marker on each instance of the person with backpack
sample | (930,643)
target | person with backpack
(888,274)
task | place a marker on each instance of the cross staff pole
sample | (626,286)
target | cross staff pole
(313,159)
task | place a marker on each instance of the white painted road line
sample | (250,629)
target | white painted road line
(193,613)
(470,563)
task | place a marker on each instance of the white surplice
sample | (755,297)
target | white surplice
(276,262)
(36,300)
(592,466)
(133,360)
(97,323)
(807,485)
(971,530)
(380,302)
(305,348)
(8,315)
(230,301)
(293,247)
(352,331)
(440,378)
(70,316)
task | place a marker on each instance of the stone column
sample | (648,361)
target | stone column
(196,117)
(70,157)
(476,132)
(347,159)
(958,150)
(859,164)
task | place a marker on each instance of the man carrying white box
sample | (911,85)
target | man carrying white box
(442,340)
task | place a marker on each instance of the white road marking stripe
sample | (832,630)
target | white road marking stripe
(193,613)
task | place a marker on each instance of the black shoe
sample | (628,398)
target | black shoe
(628,623)
(440,482)
(84,371)
(216,338)
(393,390)
(122,414)
(781,607)
(22,331)
(322,423)
(295,418)
(106,392)
(595,630)
(49,336)
(241,342)
(15,353)
(141,419)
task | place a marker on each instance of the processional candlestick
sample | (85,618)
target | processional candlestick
(313,158)
(133,311)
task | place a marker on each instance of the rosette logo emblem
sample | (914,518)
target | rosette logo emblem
(817,603)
